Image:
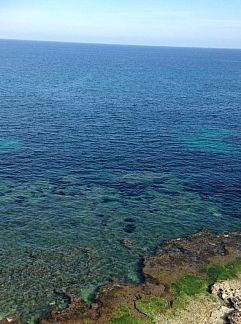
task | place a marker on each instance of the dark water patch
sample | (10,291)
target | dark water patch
(100,215)
(104,223)
(129,220)
(130,228)
(20,199)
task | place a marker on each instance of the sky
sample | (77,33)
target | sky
(203,23)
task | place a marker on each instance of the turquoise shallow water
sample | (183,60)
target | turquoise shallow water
(103,143)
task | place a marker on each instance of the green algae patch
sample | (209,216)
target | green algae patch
(217,272)
(190,286)
(124,317)
(187,287)
(151,305)
(235,266)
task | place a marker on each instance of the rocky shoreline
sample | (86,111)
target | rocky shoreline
(203,269)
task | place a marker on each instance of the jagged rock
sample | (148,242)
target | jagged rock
(10,319)
(230,292)
(234,317)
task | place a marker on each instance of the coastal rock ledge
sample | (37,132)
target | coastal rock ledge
(196,279)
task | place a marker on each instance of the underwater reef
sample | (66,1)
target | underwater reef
(196,279)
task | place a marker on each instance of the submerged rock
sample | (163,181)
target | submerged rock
(127,244)
(130,228)
(77,311)
(129,220)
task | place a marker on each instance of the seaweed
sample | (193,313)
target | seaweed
(187,287)
(216,272)
(151,305)
(124,316)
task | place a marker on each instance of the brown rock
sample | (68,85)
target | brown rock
(13,319)
(185,256)
(127,244)
(234,317)
(77,311)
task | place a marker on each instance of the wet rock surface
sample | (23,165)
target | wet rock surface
(187,255)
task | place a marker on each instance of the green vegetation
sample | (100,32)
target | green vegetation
(217,272)
(124,317)
(151,305)
(236,266)
(189,285)
(186,287)
(182,289)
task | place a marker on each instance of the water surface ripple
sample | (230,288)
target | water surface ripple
(104,143)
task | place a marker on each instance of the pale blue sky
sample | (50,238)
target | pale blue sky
(204,23)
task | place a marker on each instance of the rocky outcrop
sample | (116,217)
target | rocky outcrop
(186,256)
(173,260)
(230,293)
(234,317)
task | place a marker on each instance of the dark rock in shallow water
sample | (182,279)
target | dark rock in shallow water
(104,223)
(75,313)
(130,228)
(100,215)
(108,199)
(58,192)
(20,199)
(129,220)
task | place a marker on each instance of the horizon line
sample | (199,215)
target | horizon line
(116,44)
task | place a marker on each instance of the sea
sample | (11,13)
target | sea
(106,151)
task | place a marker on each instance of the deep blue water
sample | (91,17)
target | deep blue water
(100,143)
